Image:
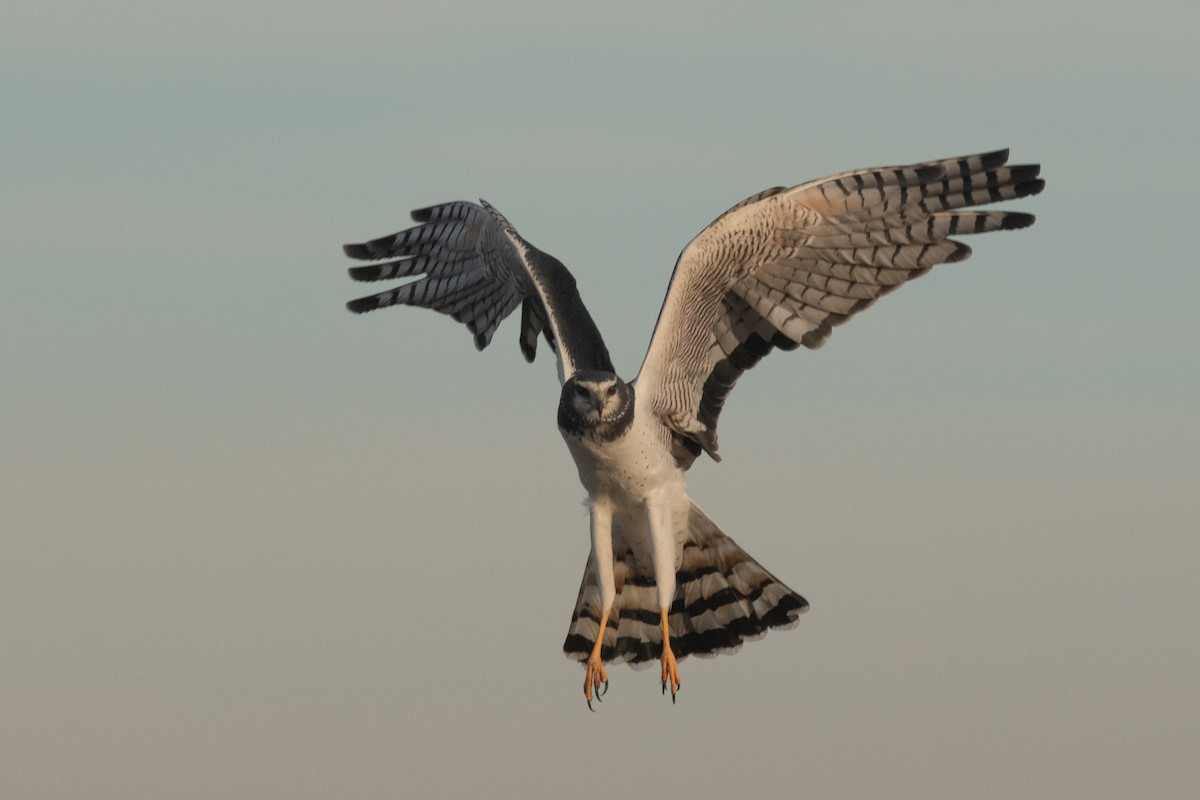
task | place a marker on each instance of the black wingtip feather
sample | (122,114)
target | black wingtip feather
(1030,188)
(359,251)
(1024,172)
(363,304)
(996,158)
(1015,220)
(364,274)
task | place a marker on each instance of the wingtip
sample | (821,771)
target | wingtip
(1016,220)
(1030,188)
(358,250)
(364,274)
(995,158)
(422,214)
(363,304)
(1024,172)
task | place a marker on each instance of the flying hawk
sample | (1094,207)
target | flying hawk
(778,270)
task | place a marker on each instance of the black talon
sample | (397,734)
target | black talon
(601,694)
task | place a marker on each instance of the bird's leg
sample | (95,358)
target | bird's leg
(596,675)
(662,535)
(602,562)
(670,672)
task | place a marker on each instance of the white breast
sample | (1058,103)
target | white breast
(628,468)
(626,471)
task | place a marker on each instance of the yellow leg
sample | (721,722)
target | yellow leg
(596,674)
(670,672)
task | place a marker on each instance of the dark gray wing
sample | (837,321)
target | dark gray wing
(471,264)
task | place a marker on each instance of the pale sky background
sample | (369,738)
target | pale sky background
(253,546)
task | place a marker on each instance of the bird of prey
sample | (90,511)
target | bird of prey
(778,270)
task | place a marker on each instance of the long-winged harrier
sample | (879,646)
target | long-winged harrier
(778,270)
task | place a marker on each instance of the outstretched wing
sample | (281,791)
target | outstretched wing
(470,263)
(783,267)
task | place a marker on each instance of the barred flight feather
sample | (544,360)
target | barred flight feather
(723,598)
(818,291)
(787,266)
(470,264)
(533,322)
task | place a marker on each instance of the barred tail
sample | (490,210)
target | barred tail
(723,598)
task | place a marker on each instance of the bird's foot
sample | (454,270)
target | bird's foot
(670,670)
(595,683)
(596,675)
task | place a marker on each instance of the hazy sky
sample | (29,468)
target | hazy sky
(254,546)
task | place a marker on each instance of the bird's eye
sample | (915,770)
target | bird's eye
(612,390)
(581,390)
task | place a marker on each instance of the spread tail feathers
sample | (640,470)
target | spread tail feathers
(723,597)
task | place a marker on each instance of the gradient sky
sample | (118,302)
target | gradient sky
(254,546)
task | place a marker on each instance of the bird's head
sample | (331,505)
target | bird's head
(593,401)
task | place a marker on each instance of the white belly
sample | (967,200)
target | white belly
(626,471)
